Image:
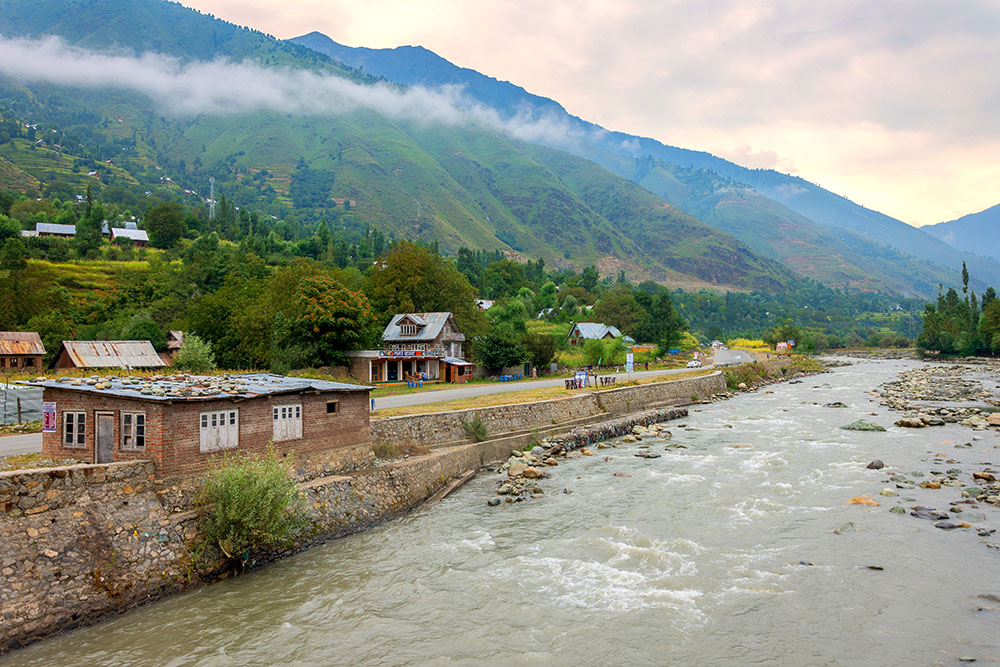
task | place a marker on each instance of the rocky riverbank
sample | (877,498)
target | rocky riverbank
(938,395)
(525,468)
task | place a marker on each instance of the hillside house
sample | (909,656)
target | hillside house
(584,331)
(130,232)
(415,345)
(22,350)
(180,421)
(107,354)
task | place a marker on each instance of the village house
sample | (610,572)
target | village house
(20,350)
(179,422)
(425,346)
(130,232)
(175,341)
(107,354)
(584,331)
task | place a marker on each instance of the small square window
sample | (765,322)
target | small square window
(332,407)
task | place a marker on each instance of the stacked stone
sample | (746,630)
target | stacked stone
(587,435)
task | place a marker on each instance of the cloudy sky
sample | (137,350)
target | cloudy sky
(892,103)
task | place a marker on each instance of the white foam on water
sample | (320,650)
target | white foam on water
(478,541)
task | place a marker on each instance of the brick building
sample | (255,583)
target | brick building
(179,422)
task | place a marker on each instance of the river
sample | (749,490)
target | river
(722,553)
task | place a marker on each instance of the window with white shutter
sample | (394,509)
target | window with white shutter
(287,422)
(220,429)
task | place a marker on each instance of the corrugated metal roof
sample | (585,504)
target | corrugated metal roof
(595,330)
(195,387)
(112,353)
(21,342)
(455,361)
(434,322)
(134,234)
(53,228)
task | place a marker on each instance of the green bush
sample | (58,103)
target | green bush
(250,502)
(475,429)
(195,355)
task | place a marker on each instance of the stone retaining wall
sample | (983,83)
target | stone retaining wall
(80,543)
(447,427)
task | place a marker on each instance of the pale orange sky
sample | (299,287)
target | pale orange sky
(891,103)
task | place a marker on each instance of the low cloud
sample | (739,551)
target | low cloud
(225,87)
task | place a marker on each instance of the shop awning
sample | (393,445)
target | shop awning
(455,361)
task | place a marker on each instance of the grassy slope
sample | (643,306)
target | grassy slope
(457,185)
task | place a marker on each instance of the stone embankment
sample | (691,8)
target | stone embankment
(79,543)
(524,468)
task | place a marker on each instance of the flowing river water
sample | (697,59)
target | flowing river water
(717,554)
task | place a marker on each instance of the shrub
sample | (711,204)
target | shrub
(195,355)
(475,429)
(250,502)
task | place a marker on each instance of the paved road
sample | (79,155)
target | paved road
(20,444)
(723,357)
(441,395)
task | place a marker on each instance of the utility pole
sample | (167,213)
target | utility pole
(211,197)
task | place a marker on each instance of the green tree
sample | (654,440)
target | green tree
(496,351)
(619,308)
(540,349)
(165,224)
(412,279)
(195,355)
(142,327)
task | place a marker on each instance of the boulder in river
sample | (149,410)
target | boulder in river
(911,422)
(836,404)
(863,500)
(875,465)
(863,425)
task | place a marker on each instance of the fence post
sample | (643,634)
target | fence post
(18,409)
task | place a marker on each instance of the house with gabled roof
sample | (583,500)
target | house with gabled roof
(584,331)
(21,350)
(107,354)
(415,346)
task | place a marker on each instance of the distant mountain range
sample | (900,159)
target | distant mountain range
(579,195)
(977,232)
(811,230)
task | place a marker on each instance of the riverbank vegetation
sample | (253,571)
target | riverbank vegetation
(967,325)
(250,502)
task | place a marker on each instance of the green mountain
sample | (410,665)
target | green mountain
(811,230)
(458,185)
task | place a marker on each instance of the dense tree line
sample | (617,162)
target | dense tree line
(964,325)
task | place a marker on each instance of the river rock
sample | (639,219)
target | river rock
(848,527)
(534,473)
(993,419)
(836,404)
(928,513)
(911,422)
(972,492)
(647,454)
(888,492)
(863,425)
(538,451)
(863,500)
(930,485)
(742,386)
(516,470)
(898,510)
(875,465)
(984,476)
(493,502)
(945,525)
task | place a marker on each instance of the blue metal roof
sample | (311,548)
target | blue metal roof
(194,387)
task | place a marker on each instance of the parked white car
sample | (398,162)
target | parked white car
(694,363)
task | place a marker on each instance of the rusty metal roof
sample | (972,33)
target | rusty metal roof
(193,387)
(21,342)
(112,353)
